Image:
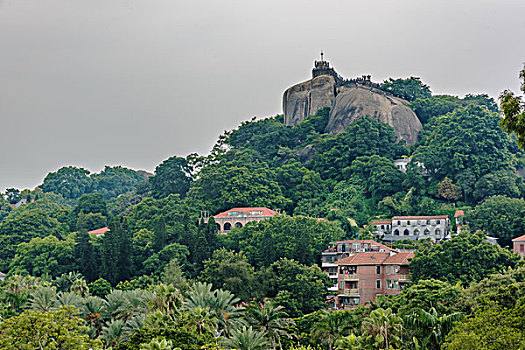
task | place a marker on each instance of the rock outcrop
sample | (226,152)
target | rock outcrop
(348,100)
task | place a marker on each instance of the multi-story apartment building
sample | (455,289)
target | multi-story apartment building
(436,228)
(343,249)
(361,277)
(238,217)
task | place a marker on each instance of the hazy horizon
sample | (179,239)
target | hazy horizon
(131,83)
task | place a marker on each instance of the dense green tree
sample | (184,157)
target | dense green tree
(247,338)
(70,182)
(448,191)
(299,288)
(499,216)
(23,225)
(514,112)
(490,328)
(47,255)
(231,271)
(426,294)
(299,238)
(270,319)
(503,182)
(12,195)
(116,253)
(173,176)
(114,181)
(60,329)
(466,257)
(364,137)
(243,181)
(465,145)
(409,88)
(431,328)
(156,262)
(91,203)
(90,221)
(378,175)
(100,287)
(85,255)
(5,208)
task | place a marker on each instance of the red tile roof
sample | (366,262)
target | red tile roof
(520,238)
(246,211)
(399,258)
(381,222)
(459,213)
(420,217)
(366,258)
(100,231)
(375,258)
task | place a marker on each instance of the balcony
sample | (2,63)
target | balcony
(353,277)
(333,289)
(351,292)
(403,277)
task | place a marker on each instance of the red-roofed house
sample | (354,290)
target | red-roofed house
(99,231)
(518,244)
(363,276)
(238,217)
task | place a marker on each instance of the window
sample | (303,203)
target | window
(356,246)
(416,232)
(238,224)
(437,222)
(258,212)
(399,222)
(396,232)
(396,269)
(382,227)
(341,284)
(395,284)
(378,270)
(227,226)
(233,213)
(522,247)
(365,246)
(378,284)
(406,233)
(390,284)
(428,222)
(389,270)
(408,222)
(426,232)
(438,232)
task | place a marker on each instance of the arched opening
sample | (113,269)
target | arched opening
(238,224)
(219,227)
(426,232)
(382,227)
(396,232)
(406,232)
(437,232)
(416,232)
(227,226)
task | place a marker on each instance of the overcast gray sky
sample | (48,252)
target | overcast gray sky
(127,82)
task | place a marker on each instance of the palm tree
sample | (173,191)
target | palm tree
(114,332)
(270,319)
(333,325)
(157,344)
(202,319)
(92,311)
(69,298)
(220,303)
(383,328)
(43,299)
(166,298)
(246,339)
(430,327)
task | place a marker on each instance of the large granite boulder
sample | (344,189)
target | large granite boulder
(305,99)
(347,104)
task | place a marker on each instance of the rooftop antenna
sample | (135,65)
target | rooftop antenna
(322,56)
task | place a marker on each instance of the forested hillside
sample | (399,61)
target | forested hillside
(162,278)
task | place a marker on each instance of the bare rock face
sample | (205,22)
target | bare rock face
(307,98)
(358,102)
(348,103)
